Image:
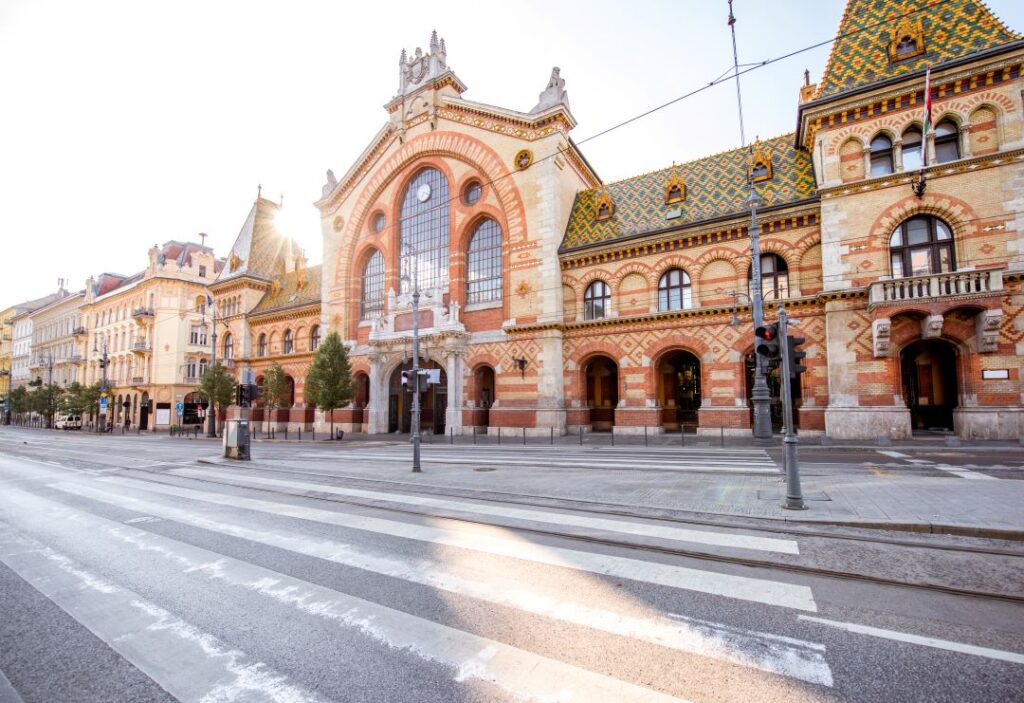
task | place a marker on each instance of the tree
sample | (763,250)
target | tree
(275,387)
(44,399)
(218,386)
(79,399)
(18,399)
(329,384)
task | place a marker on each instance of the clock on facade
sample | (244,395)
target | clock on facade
(423,192)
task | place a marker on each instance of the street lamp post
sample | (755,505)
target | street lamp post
(211,426)
(759,394)
(415,419)
(7,373)
(104,361)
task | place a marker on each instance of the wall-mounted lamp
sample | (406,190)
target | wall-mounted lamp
(521,365)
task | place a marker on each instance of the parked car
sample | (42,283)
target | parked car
(69,422)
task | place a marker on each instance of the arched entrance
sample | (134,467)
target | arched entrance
(361,398)
(774,391)
(433,401)
(483,381)
(144,412)
(678,377)
(602,375)
(928,368)
(194,402)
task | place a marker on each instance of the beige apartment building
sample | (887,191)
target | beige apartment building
(58,340)
(153,328)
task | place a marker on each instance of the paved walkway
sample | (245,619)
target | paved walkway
(694,480)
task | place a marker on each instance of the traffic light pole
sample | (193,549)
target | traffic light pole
(211,429)
(416,371)
(759,394)
(790,443)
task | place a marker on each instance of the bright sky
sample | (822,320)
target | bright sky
(128,123)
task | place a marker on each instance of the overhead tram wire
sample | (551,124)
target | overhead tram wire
(729,75)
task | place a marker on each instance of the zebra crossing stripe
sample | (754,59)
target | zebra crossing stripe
(721,539)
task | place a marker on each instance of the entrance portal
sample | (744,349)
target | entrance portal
(774,392)
(484,378)
(679,390)
(928,368)
(602,393)
(433,401)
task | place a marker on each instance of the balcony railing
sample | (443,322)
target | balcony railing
(139,380)
(139,313)
(939,285)
(75,359)
(142,347)
(79,331)
(192,380)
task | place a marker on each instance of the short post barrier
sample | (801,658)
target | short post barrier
(613,436)
(300,434)
(524,436)
(286,433)
(721,431)
(552,437)
(682,435)
(581,435)
(452,435)
(314,433)
(474,434)
(645,435)
(499,434)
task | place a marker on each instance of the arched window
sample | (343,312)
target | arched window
(921,246)
(229,346)
(483,264)
(881,156)
(314,338)
(289,343)
(261,347)
(774,277)
(912,149)
(906,47)
(372,299)
(423,237)
(947,142)
(597,301)
(674,291)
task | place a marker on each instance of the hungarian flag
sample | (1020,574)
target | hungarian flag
(927,112)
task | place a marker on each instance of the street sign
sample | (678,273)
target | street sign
(180,407)
(103,405)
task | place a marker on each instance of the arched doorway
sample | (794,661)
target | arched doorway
(361,398)
(194,402)
(256,411)
(774,379)
(433,401)
(484,384)
(679,389)
(144,412)
(602,376)
(928,368)
(288,400)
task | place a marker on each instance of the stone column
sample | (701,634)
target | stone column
(377,409)
(455,368)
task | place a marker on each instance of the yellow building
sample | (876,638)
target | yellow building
(6,349)
(153,329)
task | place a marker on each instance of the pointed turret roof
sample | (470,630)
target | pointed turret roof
(259,249)
(864,50)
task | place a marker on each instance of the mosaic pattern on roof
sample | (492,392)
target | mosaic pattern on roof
(294,289)
(951,29)
(716,186)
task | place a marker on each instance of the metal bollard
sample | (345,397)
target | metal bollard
(474,434)
(286,433)
(552,437)
(300,434)
(613,436)
(499,434)
(524,436)
(451,433)
(721,431)
(645,435)
(682,435)
(581,435)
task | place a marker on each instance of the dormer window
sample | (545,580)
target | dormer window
(605,206)
(907,40)
(760,168)
(906,47)
(759,172)
(675,187)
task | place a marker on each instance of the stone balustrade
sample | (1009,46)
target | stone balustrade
(939,285)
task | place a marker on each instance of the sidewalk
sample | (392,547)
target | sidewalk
(884,500)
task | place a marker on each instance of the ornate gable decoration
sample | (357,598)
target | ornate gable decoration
(236,262)
(675,187)
(605,206)
(760,168)
(908,39)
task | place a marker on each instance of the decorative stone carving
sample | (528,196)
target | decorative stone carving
(881,336)
(554,94)
(987,325)
(931,327)
(414,72)
(331,183)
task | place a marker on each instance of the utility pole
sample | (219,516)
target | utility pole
(416,365)
(759,394)
(790,443)
(104,362)
(49,390)
(211,428)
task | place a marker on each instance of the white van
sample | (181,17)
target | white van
(69,422)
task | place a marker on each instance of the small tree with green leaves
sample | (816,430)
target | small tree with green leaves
(329,383)
(218,387)
(44,400)
(275,387)
(79,399)
(18,400)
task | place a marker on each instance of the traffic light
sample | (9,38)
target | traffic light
(405,378)
(767,344)
(242,395)
(103,363)
(795,355)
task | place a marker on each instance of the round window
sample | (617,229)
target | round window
(473,192)
(379,222)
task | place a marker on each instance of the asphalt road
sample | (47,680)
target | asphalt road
(130,573)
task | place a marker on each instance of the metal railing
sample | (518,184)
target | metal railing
(938,285)
(141,347)
(142,312)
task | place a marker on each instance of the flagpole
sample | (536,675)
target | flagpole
(919,183)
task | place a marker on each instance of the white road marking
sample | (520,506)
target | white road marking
(776,593)
(146,635)
(523,674)
(794,658)
(965,473)
(1013,657)
(721,539)
(7,692)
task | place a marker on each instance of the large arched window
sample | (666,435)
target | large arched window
(372,300)
(774,277)
(483,264)
(423,236)
(947,142)
(921,246)
(261,347)
(597,301)
(314,338)
(229,346)
(674,291)
(881,156)
(289,342)
(912,149)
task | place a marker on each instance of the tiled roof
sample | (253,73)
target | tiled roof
(259,249)
(289,292)
(951,29)
(716,186)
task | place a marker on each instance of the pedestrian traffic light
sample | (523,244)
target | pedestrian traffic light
(405,378)
(795,355)
(767,344)
(242,395)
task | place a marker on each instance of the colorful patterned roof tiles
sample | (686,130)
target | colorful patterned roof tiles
(865,48)
(296,288)
(716,186)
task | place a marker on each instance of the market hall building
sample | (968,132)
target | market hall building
(553,301)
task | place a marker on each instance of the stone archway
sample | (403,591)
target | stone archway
(679,389)
(928,369)
(601,376)
(433,401)
(485,391)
